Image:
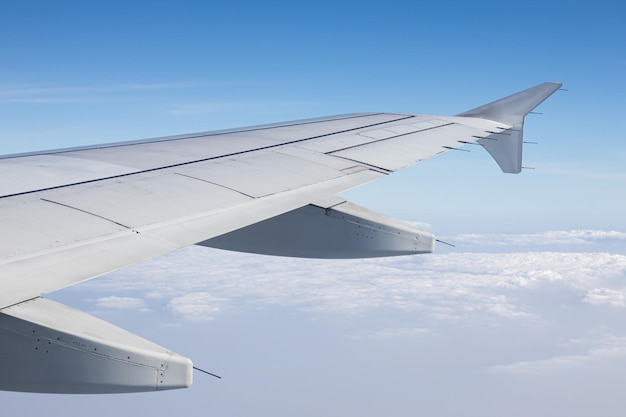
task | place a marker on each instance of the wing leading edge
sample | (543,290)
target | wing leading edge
(73,214)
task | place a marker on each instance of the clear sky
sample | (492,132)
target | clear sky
(524,316)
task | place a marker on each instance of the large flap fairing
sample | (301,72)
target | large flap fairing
(49,347)
(341,231)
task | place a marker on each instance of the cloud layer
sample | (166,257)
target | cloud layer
(197,283)
(572,300)
(542,239)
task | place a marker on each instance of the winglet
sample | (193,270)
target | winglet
(507,151)
(512,109)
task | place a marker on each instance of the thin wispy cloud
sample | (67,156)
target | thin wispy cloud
(393,333)
(156,86)
(585,173)
(195,306)
(49,100)
(77,94)
(123,303)
(420,225)
(208,107)
(557,237)
(604,348)
(22,91)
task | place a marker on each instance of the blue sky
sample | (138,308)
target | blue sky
(75,73)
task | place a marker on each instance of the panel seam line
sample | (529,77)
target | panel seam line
(86,212)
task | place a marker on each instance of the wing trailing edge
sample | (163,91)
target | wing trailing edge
(506,146)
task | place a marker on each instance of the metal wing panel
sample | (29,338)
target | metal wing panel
(343,140)
(317,157)
(148,156)
(144,155)
(156,197)
(399,151)
(303,131)
(410,133)
(335,142)
(146,199)
(36,225)
(262,173)
(408,126)
(19,175)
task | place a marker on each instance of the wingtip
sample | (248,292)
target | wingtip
(556,84)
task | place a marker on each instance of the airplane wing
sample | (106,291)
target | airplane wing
(73,214)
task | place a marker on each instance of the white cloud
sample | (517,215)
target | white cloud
(572,237)
(209,107)
(606,348)
(77,94)
(597,296)
(503,318)
(393,333)
(420,225)
(541,365)
(115,302)
(449,287)
(195,306)
(584,172)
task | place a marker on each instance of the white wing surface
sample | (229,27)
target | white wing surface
(70,215)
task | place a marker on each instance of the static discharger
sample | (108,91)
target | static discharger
(455,149)
(206,372)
